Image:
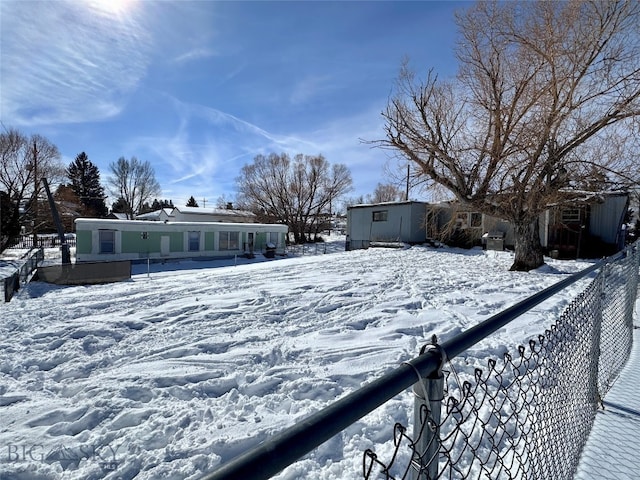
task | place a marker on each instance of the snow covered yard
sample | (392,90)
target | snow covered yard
(172,374)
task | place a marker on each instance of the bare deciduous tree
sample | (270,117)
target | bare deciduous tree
(544,105)
(24,162)
(295,192)
(387,192)
(134,182)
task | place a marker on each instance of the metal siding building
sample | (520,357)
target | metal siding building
(607,218)
(599,230)
(385,223)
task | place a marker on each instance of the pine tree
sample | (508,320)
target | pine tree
(9,222)
(85,183)
(120,206)
(160,204)
(192,202)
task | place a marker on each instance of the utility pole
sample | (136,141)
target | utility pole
(406,194)
(330,216)
(35,195)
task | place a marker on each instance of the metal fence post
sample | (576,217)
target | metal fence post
(429,393)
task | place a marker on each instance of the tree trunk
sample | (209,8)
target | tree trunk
(528,249)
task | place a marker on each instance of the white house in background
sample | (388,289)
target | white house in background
(164,214)
(197,214)
(118,216)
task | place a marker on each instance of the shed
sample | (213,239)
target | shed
(386,223)
(607,218)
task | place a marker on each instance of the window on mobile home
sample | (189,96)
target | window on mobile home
(107,241)
(272,237)
(194,241)
(380,215)
(229,241)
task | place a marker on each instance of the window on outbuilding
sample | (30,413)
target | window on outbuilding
(107,240)
(468,220)
(194,241)
(229,241)
(380,215)
(462,220)
(571,215)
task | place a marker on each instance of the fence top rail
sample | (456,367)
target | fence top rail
(275,454)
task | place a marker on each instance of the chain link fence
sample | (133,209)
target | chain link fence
(529,414)
(526,415)
(24,269)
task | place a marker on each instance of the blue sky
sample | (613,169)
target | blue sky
(200,88)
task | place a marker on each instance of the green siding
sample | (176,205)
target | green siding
(153,239)
(209,240)
(261,240)
(132,242)
(176,242)
(83,242)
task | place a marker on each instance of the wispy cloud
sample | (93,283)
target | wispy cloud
(64,62)
(206,152)
(310,87)
(208,148)
(195,54)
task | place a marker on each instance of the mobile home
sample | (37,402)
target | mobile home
(112,240)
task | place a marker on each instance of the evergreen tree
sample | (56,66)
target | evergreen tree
(192,202)
(160,204)
(85,183)
(146,208)
(120,206)
(9,223)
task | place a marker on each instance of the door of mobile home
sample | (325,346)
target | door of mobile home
(164,245)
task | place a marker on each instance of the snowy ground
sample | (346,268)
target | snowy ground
(170,374)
